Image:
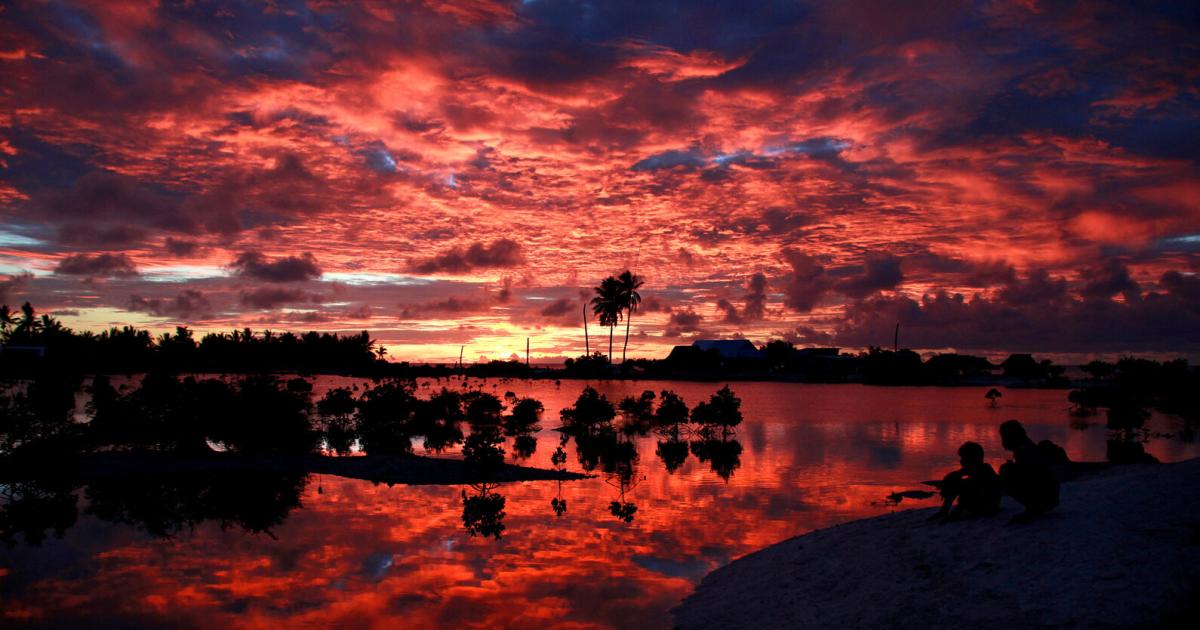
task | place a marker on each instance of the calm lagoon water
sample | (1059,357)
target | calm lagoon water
(358,554)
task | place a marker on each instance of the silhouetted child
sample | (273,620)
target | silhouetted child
(1027,477)
(975,486)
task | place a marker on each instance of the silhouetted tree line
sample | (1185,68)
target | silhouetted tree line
(781,360)
(30,341)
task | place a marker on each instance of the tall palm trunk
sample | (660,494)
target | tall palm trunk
(610,335)
(628,318)
(587,349)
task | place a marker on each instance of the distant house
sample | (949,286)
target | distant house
(711,355)
(730,348)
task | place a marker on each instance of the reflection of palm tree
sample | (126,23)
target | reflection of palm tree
(607,307)
(992,395)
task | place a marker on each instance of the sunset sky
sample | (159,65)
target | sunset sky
(994,176)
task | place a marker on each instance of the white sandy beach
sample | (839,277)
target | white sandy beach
(1122,550)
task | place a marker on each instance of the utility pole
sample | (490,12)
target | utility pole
(527,352)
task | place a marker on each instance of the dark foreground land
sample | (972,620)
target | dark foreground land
(389,469)
(1121,551)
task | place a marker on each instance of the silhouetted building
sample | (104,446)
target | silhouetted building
(740,349)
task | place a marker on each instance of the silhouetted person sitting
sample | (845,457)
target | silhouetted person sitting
(1052,453)
(975,486)
(1028,477)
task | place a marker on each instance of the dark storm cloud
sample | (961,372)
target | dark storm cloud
(971,273)
(266,298)
(181,247)
(807,283)
(97,266)
(13,285)
(110,237)
(754,302)
(501,253)
(101,196)
(1110,279)
(681,322)
(559,307)
(451,306)
(1045,321)
(1039,287)
(256,266)
(189,303)
(879,272)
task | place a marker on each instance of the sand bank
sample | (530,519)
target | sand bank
(1122,550)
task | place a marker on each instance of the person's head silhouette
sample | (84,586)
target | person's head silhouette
(970,454)
(1012,435)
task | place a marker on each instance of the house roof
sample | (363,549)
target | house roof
(729,348)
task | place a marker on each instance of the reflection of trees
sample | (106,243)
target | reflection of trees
(482,449)
(559,458)
(336,411)
(33,508)
(673,452)
(670,421)
(524,446)
(637,414)
(483,513)
(622,510)
(165,505)
(35,419)
(724,455)
(521,424)
(1128,389)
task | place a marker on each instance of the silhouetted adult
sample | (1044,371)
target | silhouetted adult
(1027,477)
(975,486)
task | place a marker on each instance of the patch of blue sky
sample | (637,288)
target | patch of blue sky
(372,278)
(182,273)
(12,239)
(1186,242)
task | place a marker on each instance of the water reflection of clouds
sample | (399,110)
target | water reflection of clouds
(362,554)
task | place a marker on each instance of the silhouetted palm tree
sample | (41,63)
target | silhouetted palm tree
(50,326)
(29,323)
(630,299)
(607,307)
(7,319)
